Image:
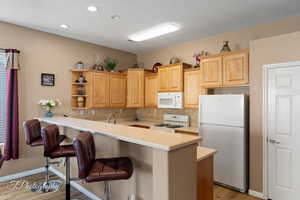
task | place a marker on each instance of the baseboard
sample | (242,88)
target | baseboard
(76,185)
(256,194)
(21,174)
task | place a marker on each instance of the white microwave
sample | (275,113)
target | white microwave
(169,100)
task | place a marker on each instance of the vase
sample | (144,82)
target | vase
(49,114)
(226,47)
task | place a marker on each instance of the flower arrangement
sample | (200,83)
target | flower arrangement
(197,56)
(49,104)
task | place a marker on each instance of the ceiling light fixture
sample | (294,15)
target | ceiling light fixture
(64,26)
(116,17)
(92,9)
(153,32)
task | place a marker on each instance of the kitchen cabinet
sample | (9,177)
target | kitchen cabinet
(135,88)
(151,89)
(226,70)
(212,71)
(100,91)
(117,90)
(171,77)
(235,69)
(193,87)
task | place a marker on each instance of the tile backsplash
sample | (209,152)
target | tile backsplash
(156,114)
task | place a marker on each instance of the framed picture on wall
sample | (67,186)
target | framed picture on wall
(47,79)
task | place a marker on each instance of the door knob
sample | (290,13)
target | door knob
(274,141)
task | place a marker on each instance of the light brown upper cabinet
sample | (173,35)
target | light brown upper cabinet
(235,69)
(226,70)
(151,89)
(100,91)
(117,83)
(171,77)
(212,71)
(135,88)
(193,87)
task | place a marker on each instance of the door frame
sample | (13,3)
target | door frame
(266,68)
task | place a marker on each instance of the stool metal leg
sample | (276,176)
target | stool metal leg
(68,186)
(47,185)
(107,190)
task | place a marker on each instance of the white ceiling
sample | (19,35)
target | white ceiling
(198,18)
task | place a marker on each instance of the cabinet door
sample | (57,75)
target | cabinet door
(151,90)
(235,69)
(192,88)
(100,91)
(175,78)
(212,72)
(135,88)
(117,83)
(163,76)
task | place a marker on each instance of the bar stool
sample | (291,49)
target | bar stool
(53,149)
(32,129)
(96,170)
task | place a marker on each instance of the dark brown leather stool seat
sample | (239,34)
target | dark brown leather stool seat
(103,169)
(110,169)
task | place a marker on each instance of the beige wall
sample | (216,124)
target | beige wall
(239,40)
(283,48)
(43,52)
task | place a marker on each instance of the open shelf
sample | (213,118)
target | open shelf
(79,83)
(77,95)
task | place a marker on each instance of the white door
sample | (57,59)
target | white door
(283,127)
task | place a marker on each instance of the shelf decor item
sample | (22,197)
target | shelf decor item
(49,104)
(174,60)
(110,64)
(80,102)
(81,79)
(155,67)
(79,65)
(225,47)
(47,79)
(197,56)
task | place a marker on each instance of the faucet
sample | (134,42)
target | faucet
(111,116)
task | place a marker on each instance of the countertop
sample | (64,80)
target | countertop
(190,129)
(203,152)
(122,131)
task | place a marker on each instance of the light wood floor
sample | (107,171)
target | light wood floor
(220,193)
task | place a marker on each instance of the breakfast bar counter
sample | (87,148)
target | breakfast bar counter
(164,162)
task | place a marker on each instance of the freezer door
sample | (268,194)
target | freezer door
(230,163)
(226,110)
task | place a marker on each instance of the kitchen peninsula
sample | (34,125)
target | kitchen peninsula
(164,162)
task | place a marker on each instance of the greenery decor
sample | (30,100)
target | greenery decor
(110,63)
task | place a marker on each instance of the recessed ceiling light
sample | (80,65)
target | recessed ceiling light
(64,26)
(92,9)
(116,17)
(153,32)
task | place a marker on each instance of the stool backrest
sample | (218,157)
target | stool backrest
(32,130)
(50,136)
(84,147)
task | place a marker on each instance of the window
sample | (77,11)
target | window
(3,92)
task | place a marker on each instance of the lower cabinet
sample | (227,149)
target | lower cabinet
(193,88)
(151,89)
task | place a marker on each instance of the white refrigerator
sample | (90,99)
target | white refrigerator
(224,126)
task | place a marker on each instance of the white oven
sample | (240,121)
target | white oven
(169,100)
